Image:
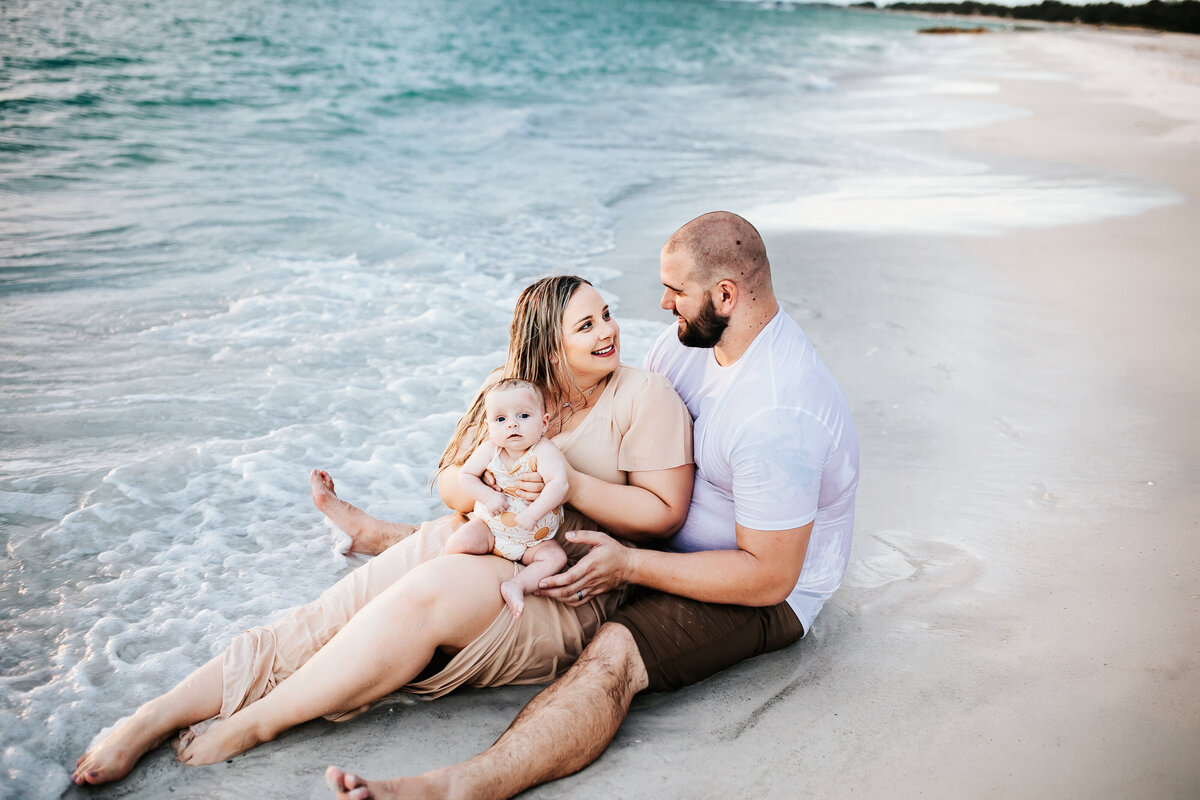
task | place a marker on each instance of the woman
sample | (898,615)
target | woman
(395,621)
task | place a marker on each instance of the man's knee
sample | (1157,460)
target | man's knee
(614,651)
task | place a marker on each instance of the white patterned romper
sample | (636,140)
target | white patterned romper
(511,540)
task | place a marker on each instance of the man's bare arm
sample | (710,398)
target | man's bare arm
(762,571)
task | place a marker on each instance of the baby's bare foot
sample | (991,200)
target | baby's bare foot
(514,595)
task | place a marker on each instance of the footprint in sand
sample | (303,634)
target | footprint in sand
(897,575)
(1042,496)
(1006,428)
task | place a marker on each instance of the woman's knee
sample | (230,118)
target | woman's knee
(448,589)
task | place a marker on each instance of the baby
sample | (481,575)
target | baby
(505,524)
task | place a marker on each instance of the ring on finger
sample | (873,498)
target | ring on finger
(579,594)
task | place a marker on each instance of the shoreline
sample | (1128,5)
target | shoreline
(1016,24)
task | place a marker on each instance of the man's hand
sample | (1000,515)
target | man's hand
(602,569)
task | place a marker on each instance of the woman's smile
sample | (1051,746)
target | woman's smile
(589,331)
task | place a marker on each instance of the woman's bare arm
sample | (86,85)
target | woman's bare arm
(452,492)
(651,507)
(449,484)
(470,478)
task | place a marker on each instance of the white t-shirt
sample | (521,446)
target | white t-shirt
(775,449)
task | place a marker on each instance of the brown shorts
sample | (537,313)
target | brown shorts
(684,641)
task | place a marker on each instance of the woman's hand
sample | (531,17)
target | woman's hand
(602,569)
(528,486)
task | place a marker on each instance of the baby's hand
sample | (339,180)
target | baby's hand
(496,502)
(526,521)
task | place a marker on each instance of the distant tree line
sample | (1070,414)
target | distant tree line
(1180,16)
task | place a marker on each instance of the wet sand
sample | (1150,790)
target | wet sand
(1021,617)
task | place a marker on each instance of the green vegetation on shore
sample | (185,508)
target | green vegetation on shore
(1181,16)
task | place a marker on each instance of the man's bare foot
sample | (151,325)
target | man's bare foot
(352,787)
(224,740)
(514,595)
(114,756)
(368,535)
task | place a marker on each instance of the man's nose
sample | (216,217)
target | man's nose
(667,303)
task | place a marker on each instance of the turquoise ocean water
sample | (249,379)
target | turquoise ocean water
(241,240)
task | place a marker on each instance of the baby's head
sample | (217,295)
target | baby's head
(516,414)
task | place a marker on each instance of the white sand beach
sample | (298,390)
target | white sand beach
(1021,617)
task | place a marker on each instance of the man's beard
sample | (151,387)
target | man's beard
(706,329)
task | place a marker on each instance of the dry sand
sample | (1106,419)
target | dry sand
(1022,614)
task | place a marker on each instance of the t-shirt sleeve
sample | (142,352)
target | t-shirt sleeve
(659,435)
(777,459)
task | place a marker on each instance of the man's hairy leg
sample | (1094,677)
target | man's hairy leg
(562,730)
(369,536)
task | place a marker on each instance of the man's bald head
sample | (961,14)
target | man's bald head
(721,245)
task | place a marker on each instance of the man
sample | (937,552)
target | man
(766,541)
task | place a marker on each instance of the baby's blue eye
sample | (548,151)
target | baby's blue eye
(524,416)
(499,419)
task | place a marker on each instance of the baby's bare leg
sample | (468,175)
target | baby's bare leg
(473,538)
(541,561)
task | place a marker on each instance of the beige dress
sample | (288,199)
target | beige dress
(638,424)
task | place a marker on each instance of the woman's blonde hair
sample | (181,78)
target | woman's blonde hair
(535,354)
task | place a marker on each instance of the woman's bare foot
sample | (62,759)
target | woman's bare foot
(368,535)
(115,755)
(353,787)
(224,740)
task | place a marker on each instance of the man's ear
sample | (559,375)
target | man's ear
(724,296)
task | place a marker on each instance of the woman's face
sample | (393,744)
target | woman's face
(591,337)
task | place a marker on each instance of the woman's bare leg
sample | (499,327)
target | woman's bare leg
(370,536)
(196,698)
(384,647)
(199,697)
